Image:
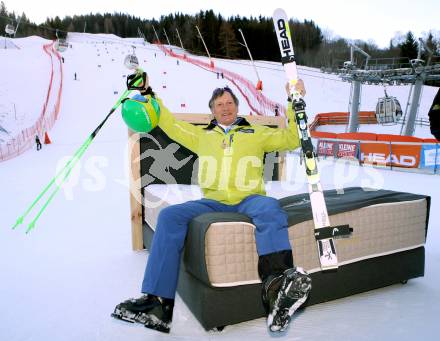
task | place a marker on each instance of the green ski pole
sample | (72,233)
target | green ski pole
(48,186)
(135,80)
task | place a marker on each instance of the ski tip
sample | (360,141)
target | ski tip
(279,11)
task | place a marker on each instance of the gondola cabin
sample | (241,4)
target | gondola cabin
(388,110)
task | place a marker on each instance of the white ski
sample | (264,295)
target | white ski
(323,230)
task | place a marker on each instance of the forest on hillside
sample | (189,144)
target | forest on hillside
(222,36)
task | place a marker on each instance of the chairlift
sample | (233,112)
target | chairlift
(10,29)
(131,61)
(388,109)
(417,65)
(61,45)
(348,65)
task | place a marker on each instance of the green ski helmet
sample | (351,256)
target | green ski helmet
(140,116)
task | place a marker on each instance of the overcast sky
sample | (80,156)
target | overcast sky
(376,20)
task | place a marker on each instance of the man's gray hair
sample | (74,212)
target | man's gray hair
(218,93)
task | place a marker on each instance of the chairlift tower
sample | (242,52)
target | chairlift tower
(420,74)
(388,71)
(353,123)
(419,79)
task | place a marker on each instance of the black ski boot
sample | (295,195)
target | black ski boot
(151,311)
(283,294)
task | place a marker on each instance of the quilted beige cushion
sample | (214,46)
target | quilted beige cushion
(232,259)
(382,229)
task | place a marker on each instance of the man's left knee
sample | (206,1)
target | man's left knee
(268,203)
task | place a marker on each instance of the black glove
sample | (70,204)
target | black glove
(148,91)
(132,79)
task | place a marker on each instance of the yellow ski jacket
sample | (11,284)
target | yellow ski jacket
(230,164)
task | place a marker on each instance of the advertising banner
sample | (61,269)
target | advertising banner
(430,156)
(347,150)
(326,148)
(396,155)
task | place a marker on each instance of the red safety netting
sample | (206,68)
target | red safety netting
(259,104)
(25,139)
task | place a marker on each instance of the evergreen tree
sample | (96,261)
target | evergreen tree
(432,44)
(3,16)
(3,11)
(228,41)
(220,35)
(409,47)
(108,25)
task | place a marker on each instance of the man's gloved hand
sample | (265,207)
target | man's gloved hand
(143,86)
(299,87)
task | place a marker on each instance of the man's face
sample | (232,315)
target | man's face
(224,109)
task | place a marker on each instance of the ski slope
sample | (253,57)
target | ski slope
(62,281)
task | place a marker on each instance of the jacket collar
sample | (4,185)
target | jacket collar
(240,121)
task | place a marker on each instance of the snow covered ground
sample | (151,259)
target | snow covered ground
(23,84)
(62,281)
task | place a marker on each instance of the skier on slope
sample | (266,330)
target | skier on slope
(284,287)
(38,142)
(434,116)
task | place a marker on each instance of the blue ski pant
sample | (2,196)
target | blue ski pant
(162,270)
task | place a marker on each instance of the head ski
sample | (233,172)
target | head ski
(325,242)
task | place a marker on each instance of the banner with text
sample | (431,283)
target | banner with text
(385,154)
(430,156)
(337,149)
(347,150)
(326,148)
